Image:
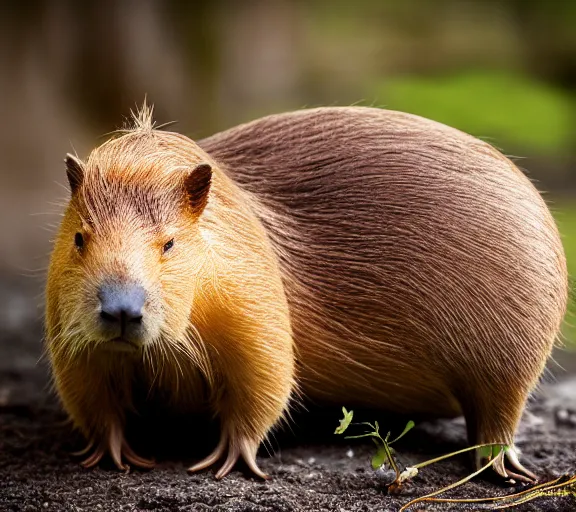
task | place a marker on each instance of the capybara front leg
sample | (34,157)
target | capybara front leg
(256,377)
(97,409)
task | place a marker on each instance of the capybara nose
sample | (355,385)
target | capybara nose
(121,304)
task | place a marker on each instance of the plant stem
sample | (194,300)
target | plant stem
(448,455)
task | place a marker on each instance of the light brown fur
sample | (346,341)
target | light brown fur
(417,268)
(215,304)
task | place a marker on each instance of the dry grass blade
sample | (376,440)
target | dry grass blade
(430,497)
(559,487)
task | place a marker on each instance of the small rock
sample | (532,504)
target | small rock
(350,453)
(311,460)
(388,475)
(566,417)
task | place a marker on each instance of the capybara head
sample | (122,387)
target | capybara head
(130,245)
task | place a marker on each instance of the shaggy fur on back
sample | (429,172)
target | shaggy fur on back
(423,271)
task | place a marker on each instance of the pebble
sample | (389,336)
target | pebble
(566,417)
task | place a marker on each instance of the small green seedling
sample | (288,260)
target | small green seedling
(385,455)
(384,452)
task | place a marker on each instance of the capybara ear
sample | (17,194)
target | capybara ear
(74,171)
(197,185)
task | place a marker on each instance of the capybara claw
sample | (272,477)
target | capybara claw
(505,460)
(84,451)
(213,457)
(522,473)
(118,449)
(246,449)
(93,459)
(135,459)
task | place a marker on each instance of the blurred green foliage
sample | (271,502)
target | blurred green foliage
(565,214)
(515,111)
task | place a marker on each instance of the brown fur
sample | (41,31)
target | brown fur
(417,268)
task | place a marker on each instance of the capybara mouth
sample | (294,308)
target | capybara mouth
(120,344)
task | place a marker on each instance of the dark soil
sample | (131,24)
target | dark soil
(311,469)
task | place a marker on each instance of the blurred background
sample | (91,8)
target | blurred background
(502,70)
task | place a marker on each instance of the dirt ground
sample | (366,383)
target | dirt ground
(311,469)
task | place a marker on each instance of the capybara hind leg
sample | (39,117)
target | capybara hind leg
(494,420)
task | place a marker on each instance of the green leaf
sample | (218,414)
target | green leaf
(489,452)
(409,426)
(344,422)
(379,458)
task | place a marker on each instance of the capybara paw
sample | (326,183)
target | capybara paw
(93,459)
(236,447)
(134,459)
(507,466)
(118,452)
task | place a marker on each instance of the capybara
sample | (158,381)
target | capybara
(353,256)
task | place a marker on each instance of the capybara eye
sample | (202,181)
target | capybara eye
(168,246)
(79,240)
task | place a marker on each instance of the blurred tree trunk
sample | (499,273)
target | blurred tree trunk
(261,66)
(549,41)
(97,83)
(194,24)
(549,38)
